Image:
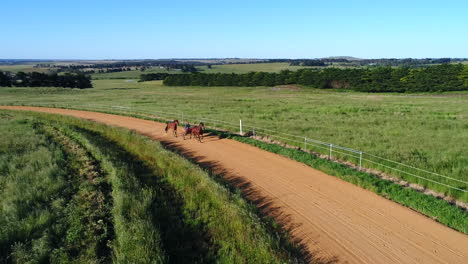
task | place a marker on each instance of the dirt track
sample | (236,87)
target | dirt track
(334,218)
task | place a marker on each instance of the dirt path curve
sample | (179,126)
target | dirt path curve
(335,218)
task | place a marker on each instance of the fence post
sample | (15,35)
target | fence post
(240,126)
(305,143)
(360,160)
(254,132)
(331,149)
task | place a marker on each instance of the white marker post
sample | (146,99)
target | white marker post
(240,126)
(360,160)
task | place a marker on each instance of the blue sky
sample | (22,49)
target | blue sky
(101,29)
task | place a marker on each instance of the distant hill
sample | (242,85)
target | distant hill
(343,57)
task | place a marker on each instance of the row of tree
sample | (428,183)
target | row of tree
(119,67)
(325,60)
(153,76)
(307,63)
(37,79)
(444,77)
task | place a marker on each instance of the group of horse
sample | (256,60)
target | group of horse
(196,131)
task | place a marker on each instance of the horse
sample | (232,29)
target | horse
(196,131)
(187,131)
(172,125)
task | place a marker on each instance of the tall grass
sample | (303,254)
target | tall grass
(223,227)
(32,183)
(137,238)
(87,216)
(47,207)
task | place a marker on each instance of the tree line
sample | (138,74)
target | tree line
(319,63)
(122,67)
(354,62)
(153,76)
(443,77)
(37,79)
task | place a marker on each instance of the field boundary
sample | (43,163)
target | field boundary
(401,173)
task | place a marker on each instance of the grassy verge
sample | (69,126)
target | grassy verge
(430,206)
(29,191)
(88,213)
(48,206)
(137,239)
(189,216)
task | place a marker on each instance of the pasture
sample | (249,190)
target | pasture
(133,74)
(22,68)
(226,68)
(422,130)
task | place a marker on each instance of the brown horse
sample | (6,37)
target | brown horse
(172,125)
(196,131)
(187,131)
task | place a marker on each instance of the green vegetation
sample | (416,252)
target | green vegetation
(53,206)
(251,67)
(22,68)
(226,68)
(73,190)
(37,79)
(132,74)
(153,77)
(444,77)
(421,130)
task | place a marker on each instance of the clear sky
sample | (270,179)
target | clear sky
(102,29)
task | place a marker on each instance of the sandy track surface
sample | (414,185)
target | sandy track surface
(335,219)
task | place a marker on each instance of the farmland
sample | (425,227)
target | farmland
(115,196)
(422,130)
(227,68)
(234,132)
(22,67)
(135,74)
(73,190)
(302,192)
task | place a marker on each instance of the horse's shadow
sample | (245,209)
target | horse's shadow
(207,136)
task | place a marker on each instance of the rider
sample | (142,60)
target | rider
(187,126)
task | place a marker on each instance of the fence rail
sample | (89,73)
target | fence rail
(335,152)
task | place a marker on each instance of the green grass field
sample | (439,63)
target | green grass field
(227,68)
(422,130)
(22,68)
(134,74)
(77,191)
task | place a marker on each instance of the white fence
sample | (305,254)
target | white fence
(334,152)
